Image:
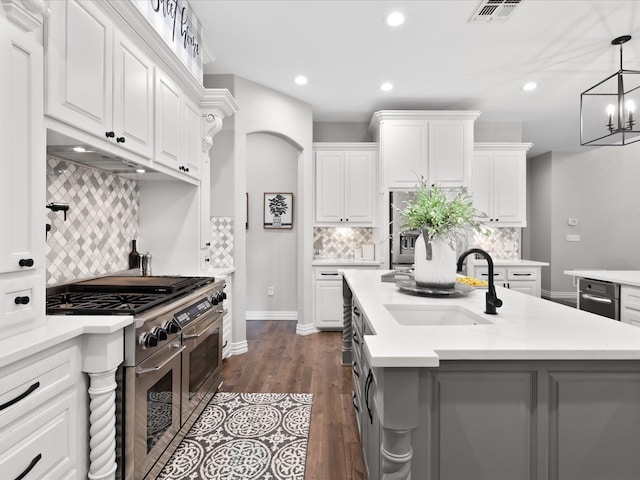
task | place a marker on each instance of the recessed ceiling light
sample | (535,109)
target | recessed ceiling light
(79,149)
(301,80)
(140,170)
(386,86)
(394,19)
(527,87)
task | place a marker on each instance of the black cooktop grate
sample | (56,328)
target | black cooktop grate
(81,303)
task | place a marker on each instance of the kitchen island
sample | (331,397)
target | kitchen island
(444,391)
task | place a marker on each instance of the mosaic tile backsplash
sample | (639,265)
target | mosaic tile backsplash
(503,243)
(339,242)
(222,242)
(101,222)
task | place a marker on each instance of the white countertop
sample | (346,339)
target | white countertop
(343,262)
(58,329)
(623,277)
(525,328)
(510,262)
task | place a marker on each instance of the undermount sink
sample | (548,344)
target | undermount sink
(434,315)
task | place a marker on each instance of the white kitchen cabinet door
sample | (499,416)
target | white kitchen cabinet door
(168,122)
(192,158)
(499,183)
(329,186)
(345,182)
(509,188)
(79,66)
(359,181)
(405,151)
(22,151)
(132,97)
(450,153)
(482,184)
(329,304)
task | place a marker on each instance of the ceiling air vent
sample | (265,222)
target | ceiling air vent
(494,10)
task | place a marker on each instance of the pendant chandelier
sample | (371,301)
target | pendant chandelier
(607,109)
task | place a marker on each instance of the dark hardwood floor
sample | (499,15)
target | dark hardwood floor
(281,361)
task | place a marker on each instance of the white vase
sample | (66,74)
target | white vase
(439,271)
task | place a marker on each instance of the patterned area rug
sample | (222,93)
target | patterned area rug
(245,436)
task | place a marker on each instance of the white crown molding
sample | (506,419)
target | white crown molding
(218,101)
(27,14)
(383,115)
(346,145)
(506,146)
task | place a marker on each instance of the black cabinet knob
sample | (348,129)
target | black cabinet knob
(25,262)
(22,300)
(120,139)
(110,134)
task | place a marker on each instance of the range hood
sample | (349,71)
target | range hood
(63,147)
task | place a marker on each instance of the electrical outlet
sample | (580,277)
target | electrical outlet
(573,238)
(270,291)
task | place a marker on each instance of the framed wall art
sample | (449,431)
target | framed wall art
(278,210)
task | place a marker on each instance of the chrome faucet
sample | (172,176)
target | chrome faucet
(491,299)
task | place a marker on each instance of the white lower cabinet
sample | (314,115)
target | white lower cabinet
(630,305)
(520,279)
(327,296)
(42,416)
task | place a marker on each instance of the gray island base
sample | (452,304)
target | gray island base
(540,391)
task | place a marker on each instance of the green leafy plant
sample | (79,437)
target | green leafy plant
(449,219)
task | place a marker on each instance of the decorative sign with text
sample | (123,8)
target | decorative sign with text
(179,27)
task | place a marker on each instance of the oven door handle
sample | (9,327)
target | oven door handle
(142,371)
(596,299)
(202,332)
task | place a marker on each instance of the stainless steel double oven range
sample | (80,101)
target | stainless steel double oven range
(172,358)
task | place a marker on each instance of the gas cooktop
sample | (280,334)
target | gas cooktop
(118,295)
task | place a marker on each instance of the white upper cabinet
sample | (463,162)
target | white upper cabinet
(499,183)
(436,145)
(345,183)
(132,97)
(22,152)
(97,81)
(177,127)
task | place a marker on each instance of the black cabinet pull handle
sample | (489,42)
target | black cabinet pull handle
(356,311)
(120,139)
(110,134)
(33,463)
(355,338)
(208,244)
(23,395)
(521,274)
(355,405)
(22,300)
(367,386)
(226,342)
(25,262)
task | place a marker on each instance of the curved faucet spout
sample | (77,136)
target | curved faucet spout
(491,298)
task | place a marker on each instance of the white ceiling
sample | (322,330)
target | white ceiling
(436,60)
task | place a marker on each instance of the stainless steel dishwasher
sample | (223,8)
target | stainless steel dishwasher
(602,298)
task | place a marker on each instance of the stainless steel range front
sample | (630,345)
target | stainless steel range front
(172,358)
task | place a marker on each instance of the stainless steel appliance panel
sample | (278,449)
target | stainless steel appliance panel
(402,243)
(601,298)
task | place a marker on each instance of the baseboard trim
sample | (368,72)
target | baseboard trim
(239,348)
(306,329)
(272,315)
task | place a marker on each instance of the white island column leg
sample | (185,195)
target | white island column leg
(397,402)
(102,421)
(102,354)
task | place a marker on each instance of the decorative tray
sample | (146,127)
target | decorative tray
(458,290)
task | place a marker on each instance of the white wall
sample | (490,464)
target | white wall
(341,132)
(263,110)
(272,254)
(597,187)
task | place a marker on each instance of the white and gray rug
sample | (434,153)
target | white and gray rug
(245,436)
